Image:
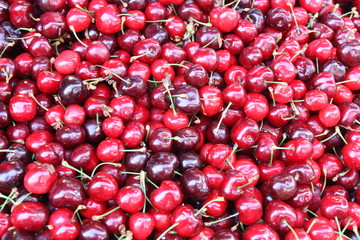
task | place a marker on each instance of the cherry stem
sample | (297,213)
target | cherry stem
(322,134)
(227,160)
(139,56)
(176,64)
(207,224)
(16,38)
(296,24)
(291,229)
(143,187)
(104,163)
(13,194)
(355,230)
(325,179)
(317,64)
(84,9)
(177,138)
(177,173)
(112,73)
(311,225)
(58,100)
(284,136)
(147,128)
(311,212)
(166,85)
(337,130)
(294,108)
(98,217)
(346,81)
(271,91)
(167,230)
(80,207)
(202,209)
(209,99)
(37,102)
(246,184)
(222,116)
(76,36)
(25,29)
(147,179)
(201,23)
(328,138)
(7,151)
(276,82)
(338,226)
(213,40)
(159,21)
(7,77)
(82,174)
(143,149)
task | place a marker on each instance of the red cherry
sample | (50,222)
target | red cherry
(167,197)
(220,15)
(107,20)
(260,231)
(188,224)
(130,199)
(40,178)
(63,225)
(102,187)
(29,216)
(250,209)
(67,62)
(22,108)
(350,154)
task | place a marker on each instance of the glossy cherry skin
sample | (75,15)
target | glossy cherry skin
(22,108)
(11,174)
(141,224)
(64,226)
(250,209)
(40,179)
(93,230)
(67,192)
(161,166)
(189,224)
(260,230)
(167,197)
(282,186)
(245,133)
(195,184)
(276,212)
(130,199)
(29,216)
(102,187)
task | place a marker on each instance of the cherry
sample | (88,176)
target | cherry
(282,186)
(67,192)
(249,208)
(29,216)
(93,230)
(107,20)
(22,108)
(260,230)
(39,179)
(185,222)
(62,220)
(102,187)
(11,174)
(161,166)
(349,153)
(245,133)
(130,199)
(147,50)
(280,215)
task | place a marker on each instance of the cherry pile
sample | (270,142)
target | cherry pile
(179,119)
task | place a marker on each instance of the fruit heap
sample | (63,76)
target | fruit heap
(179,119)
